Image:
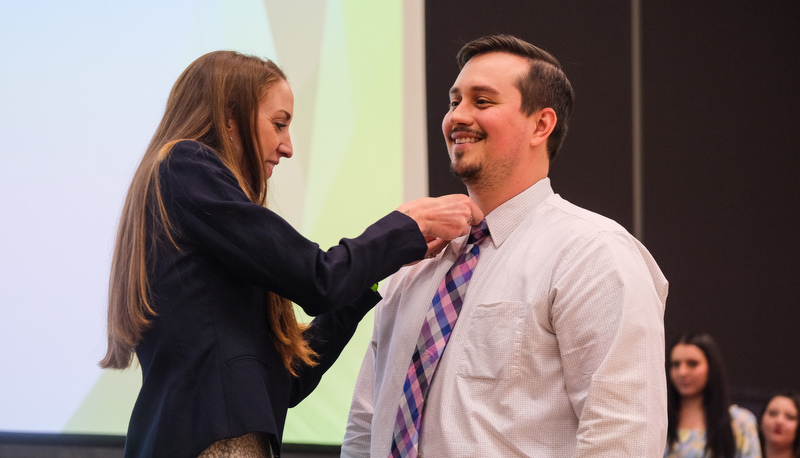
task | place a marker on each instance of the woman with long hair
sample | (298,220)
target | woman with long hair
(702,421)
(203,275)
(778,425)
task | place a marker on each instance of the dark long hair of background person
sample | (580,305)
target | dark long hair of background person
(716,397)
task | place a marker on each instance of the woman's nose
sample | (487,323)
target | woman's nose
(285,148)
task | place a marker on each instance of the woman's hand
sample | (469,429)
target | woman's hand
(445,217)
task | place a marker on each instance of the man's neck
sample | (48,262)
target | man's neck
(492,196)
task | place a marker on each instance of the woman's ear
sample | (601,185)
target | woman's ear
(230,123)
(232,131)
(544,122)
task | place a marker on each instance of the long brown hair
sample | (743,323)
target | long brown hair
(216,87)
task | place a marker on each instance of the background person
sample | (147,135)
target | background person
(702,421)
(778,426)
(203,275)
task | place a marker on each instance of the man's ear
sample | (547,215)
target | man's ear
(544,122)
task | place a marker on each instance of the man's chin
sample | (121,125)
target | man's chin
(468,173)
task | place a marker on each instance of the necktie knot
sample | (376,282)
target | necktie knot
(478,233)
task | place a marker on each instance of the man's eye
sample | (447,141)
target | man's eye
(279,126)
(453,103)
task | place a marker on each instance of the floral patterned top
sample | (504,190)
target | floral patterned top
(691,443)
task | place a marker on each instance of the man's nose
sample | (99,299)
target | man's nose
(460,115)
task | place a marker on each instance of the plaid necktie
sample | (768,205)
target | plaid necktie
(439,322)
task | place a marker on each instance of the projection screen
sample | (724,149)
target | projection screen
(84,84)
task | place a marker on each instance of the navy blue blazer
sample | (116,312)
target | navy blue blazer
(210,370)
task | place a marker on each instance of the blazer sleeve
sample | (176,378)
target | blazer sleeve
(327,335)
(214,214)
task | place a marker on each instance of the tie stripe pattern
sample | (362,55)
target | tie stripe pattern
(439,323)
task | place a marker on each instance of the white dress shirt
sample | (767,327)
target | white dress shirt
(558,350)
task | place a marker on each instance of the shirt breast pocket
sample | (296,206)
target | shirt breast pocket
(492,344)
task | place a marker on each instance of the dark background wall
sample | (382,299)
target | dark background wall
(721,200)
(722,94)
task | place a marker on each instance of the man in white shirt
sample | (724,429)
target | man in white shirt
(559,346)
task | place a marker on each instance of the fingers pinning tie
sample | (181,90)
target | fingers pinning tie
(469,223)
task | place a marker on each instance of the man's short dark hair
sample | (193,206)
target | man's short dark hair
(545,85)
